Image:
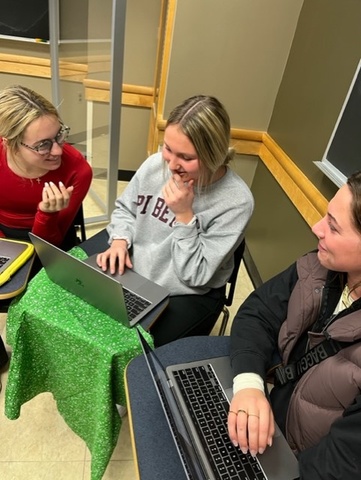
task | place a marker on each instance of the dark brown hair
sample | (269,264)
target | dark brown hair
(354,183)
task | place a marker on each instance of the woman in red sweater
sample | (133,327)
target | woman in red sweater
(43,180)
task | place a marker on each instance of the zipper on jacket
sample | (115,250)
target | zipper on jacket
(324,330)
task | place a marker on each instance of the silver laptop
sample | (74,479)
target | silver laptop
(195,398)
(127,298)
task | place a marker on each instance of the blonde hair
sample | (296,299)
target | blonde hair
(205,121)
(19,106)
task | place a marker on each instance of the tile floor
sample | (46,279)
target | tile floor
(40,446)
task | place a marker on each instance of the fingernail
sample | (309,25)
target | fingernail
(235,443)
(61,184)
(244,451)
(260,451)
(253,453)
(46,184)
(270,442)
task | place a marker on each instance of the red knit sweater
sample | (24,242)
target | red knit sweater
(19,197)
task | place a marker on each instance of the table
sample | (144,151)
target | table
(9,290)
(155,454)
(67,347)
(17,282)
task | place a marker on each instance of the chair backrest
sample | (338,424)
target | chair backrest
(76,233)
(238,255)
(79,223)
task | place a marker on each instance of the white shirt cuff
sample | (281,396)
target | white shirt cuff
(193,221)
(247,380)
(117,237)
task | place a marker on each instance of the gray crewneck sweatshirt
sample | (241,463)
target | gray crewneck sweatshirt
(185,259)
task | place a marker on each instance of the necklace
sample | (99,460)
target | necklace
(32,180)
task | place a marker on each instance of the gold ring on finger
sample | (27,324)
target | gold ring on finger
(242,411)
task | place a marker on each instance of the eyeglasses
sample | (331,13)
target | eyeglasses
(44,147)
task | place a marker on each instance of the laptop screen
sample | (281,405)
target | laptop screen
(180,435)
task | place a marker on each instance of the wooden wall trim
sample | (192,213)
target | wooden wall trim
(309,202)
(167,20)
(132,95)
(76,71)
(247,142)
(40,67)
(165,58)
(307,199)
(305,196)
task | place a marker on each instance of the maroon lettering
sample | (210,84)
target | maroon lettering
(144,202)
(162,216)
(159,207)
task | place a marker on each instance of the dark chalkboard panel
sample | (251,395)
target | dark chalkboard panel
(25,18)
(343,152)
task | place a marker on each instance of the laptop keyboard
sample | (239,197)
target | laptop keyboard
(209,407)
(3,261)
(134,303)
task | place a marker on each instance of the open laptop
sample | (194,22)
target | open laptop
(197,409)
(13,254)
(127,298)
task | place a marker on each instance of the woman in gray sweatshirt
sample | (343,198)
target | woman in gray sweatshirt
(181,218)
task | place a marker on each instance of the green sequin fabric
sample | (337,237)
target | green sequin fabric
(65,346)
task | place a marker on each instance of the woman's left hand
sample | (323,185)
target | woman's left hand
(179,196)
(250,421)
(55,198)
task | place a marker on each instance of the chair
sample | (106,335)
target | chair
(231,286)
(79,224)
(76,233)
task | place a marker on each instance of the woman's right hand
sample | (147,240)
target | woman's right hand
(250,421)
(55,199)
(117,255)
